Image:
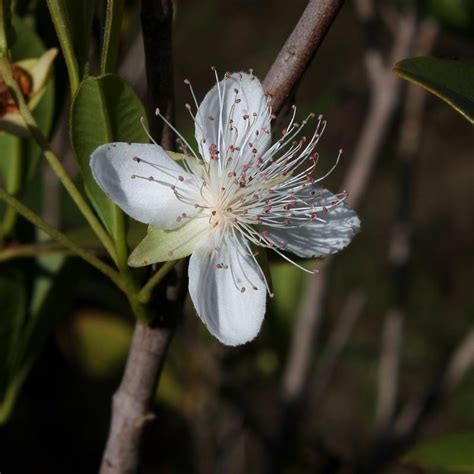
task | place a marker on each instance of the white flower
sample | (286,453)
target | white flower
(239,192)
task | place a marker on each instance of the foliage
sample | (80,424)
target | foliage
(449,453)
(450,80)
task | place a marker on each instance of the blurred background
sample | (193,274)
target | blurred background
(348,371)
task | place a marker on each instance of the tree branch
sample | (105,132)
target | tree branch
(299,49)
(132,401)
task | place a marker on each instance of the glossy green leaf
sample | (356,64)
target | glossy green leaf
(450,80)
(104,110)
(451,453)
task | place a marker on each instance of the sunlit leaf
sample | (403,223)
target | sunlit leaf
(98,341)
(105,109)
(451,453)
(450,80)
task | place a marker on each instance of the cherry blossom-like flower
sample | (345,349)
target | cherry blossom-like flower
(237,193)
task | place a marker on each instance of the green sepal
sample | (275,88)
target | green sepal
(176,156)
(164,245)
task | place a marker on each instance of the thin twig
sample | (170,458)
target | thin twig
(457,366)
(299,49)
(61,238)
(383,100)
(411,418)
(350,313)
(384,95)
(409,142)
(304,331)
(145,293)
(33,250)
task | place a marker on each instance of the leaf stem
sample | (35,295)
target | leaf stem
(60,22)
(62,239)
(145,293)
(113,21)
(32,250)
(131,286)
(5,13)
(6,71)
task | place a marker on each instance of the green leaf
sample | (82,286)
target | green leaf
(164,245)
(27,43)
(104,110)
(11,165)
(10,162)
(453,453)
(450,80)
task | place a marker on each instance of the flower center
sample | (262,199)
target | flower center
(219,215)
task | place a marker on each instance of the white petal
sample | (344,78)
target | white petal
(315,238)
(216,281)
(152,202)
(223,108)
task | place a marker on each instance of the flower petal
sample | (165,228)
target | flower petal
(315,238)
(238,107)
(228,291)
(164,245)
(124,172)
